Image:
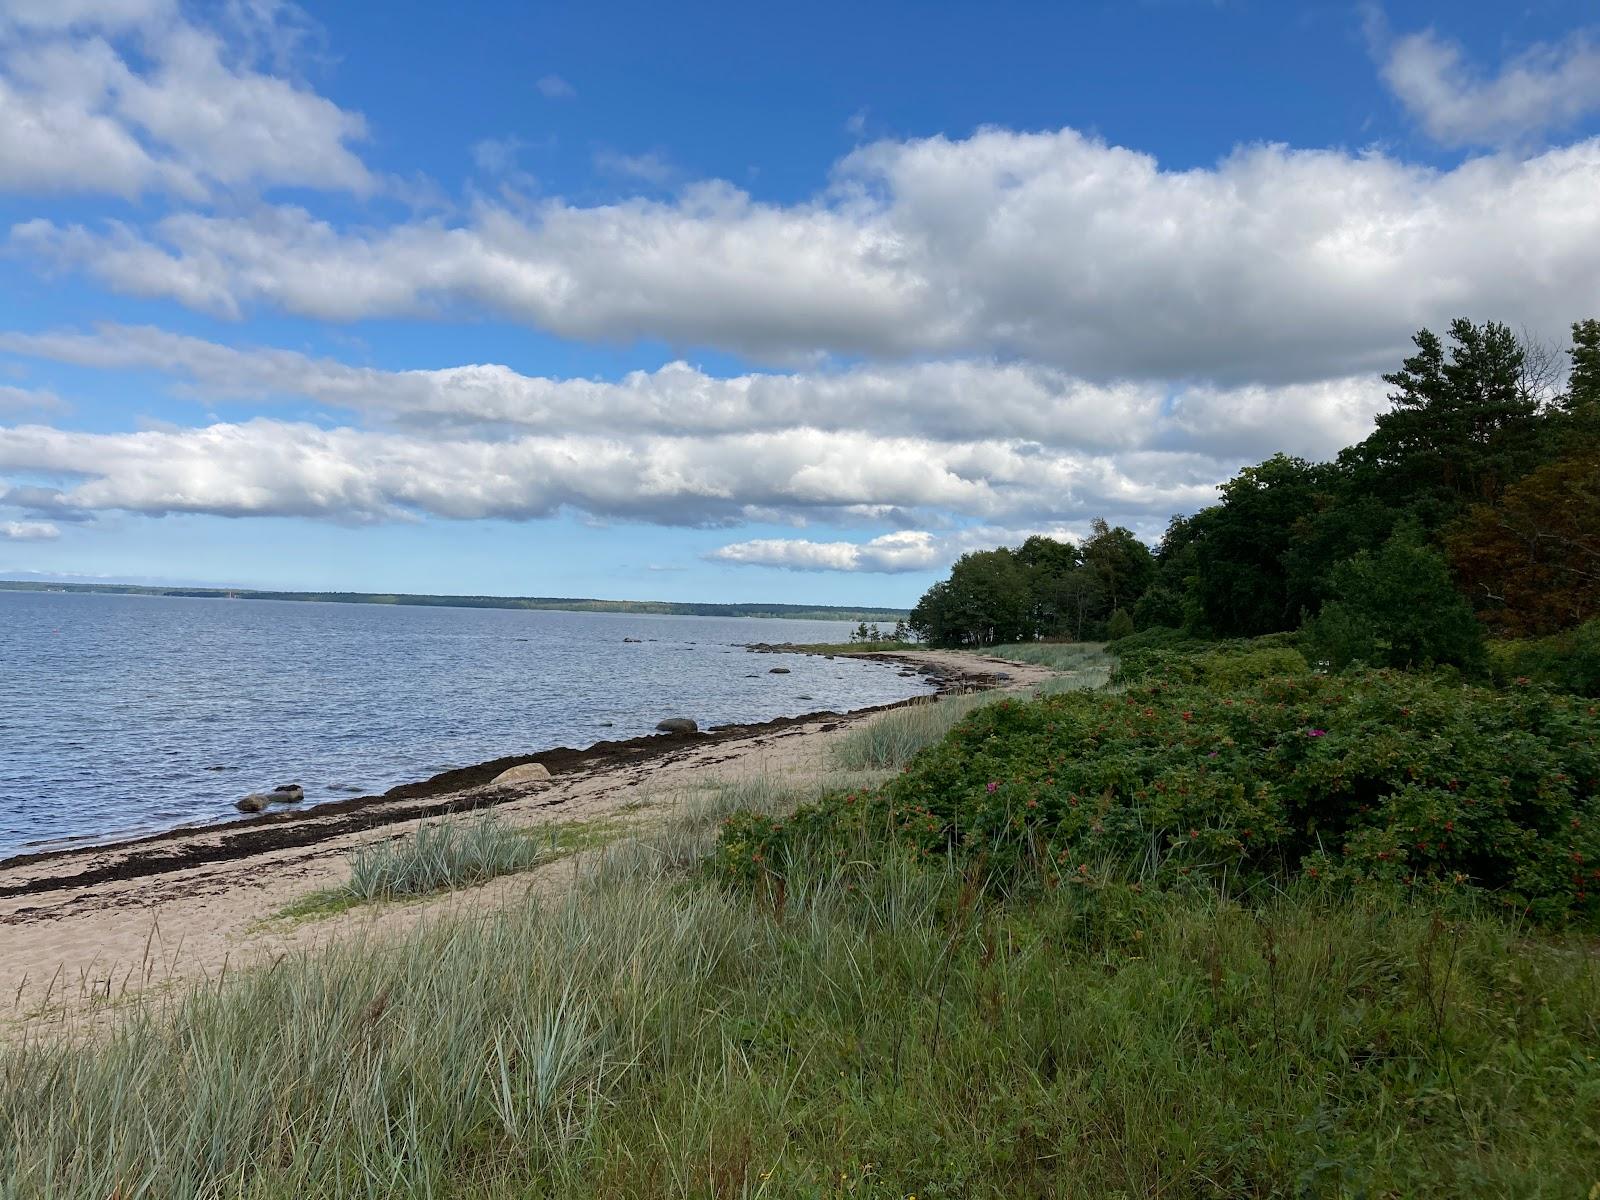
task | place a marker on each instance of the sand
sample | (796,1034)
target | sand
(83,932)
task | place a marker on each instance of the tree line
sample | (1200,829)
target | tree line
(1472,507)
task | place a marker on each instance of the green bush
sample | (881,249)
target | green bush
(1218,664)
(1396,608)
(1569,661)
(1120,625)
(1368,777)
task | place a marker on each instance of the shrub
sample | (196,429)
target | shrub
(1369,777)
(1569,661)
(1119,626)
(1397,608)
(1219,664)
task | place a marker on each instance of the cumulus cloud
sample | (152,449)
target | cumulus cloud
(944,401)
(129,97)
(1546,87)
(264,467)
(28,531)
(908,550)
(1274,265)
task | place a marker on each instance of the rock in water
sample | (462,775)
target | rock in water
(778,671)
(287,793)
(526,774)
(677,725)
(255,802)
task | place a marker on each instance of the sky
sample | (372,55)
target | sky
(736,301)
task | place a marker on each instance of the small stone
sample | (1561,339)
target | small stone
(778,671)
(521,776)
(255,802)
(677,725)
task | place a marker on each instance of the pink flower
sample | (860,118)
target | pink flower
(1317,733)
(993,787)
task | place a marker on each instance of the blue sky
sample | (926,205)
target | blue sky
(785,303)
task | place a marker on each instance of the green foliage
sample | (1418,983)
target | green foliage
(1397,608)
(1241,547)
(985,600)
(1567,661)
(1368,778)
(1171,655)
(1119,626)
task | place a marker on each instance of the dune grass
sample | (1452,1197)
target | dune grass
(872,1031)
(1086,657)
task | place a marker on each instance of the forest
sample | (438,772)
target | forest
(1463,532)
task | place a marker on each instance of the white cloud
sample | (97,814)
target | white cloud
(553,87)
(1546,87)
(908,550)
(129,97)
(1275,265)
(271,468)
(28,531)
(953,401)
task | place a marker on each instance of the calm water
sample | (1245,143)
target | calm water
(127,714)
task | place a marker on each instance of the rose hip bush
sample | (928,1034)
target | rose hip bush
(1368,776)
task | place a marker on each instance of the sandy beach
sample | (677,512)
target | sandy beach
(84,930)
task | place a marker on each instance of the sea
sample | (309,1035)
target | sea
(123,715)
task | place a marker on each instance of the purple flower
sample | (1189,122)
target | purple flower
(1213,754)
(1317,733)
(993,787)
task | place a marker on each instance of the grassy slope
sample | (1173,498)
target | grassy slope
(865,1030)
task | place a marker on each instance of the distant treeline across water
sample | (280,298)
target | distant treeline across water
(818,612)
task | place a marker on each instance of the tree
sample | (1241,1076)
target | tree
(1122,563)
(1241,577)
(1462,425)
(1531,563)
(985,601)
(1583,383)
(1046,562)
(1397,608)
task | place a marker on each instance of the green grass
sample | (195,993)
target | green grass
(867,1031)
(439,856)
(1087,657)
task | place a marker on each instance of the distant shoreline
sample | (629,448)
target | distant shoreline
(667,608)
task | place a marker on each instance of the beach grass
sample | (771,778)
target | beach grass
(444,855)
(1059,656)
(872,1031)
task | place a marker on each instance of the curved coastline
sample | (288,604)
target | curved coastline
(458,790)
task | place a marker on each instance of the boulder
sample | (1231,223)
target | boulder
(778,671)
(677,725)
(287,793)
(255,802)
(522,776)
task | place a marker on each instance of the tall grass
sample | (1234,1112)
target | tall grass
(439,855)
(868,1031)
(1086,657)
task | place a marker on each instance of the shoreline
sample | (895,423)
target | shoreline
(86,930)
(459,790)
